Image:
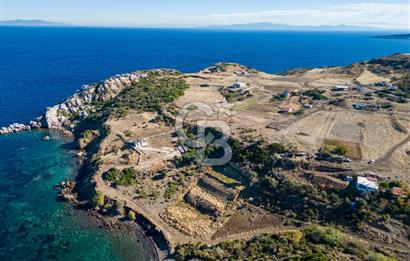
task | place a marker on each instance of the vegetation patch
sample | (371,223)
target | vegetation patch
(345,148)
(125,177)
(315,94)
(313,243)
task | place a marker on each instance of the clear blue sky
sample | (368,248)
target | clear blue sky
(381,13)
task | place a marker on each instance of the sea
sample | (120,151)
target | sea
(40,66)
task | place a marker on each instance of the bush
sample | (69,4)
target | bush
(170,190)
(125,177)
(315,255)
(341,150)
(98,199)
(315,94)
(356,248)
(113,175)
(322,235)
(379,257)
(128,133)
(277,148)
(131,215)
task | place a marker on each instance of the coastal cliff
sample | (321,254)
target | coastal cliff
(63,116)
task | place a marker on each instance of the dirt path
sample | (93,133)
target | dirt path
(383,161)
(171,235)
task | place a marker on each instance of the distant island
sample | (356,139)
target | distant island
(285,27)
(394,36)
(33,22)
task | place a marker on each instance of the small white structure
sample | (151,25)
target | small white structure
(237,85)
(364,184)
(340,88)
(285,110)
(139,143)
(285,94)
(392,87)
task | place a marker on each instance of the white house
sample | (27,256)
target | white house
(237,85)
(139,143)
(340,88)
(364,184)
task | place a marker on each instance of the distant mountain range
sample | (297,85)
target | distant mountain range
(34,22)
(284,27)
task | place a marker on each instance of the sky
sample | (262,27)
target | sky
(191,13)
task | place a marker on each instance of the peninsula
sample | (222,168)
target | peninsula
(310,163)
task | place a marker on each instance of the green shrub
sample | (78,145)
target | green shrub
(315,255)
(170,190)
(356,248)
(341,150)
(113,175)
(98,199)
(315,94)
(127,178)
(131,215)
(379,257)
(322,235)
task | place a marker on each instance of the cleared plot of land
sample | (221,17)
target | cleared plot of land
(368,77)
(188,220)
(248,219)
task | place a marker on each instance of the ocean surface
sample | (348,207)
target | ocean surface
(39,67)
(33,225)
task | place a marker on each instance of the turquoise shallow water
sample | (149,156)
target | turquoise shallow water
(33,225)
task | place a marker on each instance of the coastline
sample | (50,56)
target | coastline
(141,226)
(88,141)
(126,227)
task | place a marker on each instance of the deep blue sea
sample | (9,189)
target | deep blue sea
(39,67)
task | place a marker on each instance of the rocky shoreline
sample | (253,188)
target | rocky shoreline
(64,116)
(110,222)
(126,227)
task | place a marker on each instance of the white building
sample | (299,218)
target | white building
(237,85)
(139,143)
(340,88)
(364,184)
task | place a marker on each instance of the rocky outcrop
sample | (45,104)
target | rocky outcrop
(64,116)
(67,191)
(15,127)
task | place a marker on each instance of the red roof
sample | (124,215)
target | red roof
(397,191)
